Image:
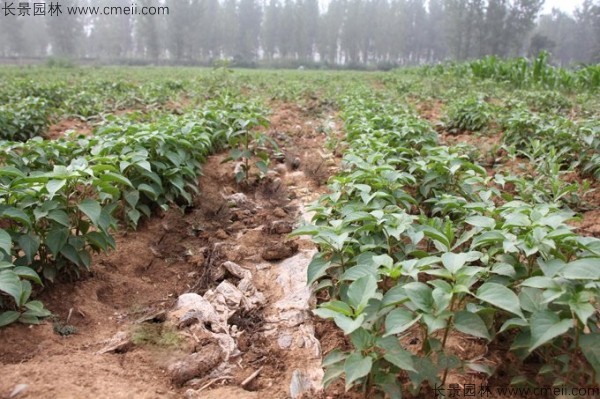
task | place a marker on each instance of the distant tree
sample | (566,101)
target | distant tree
(147,35)
(434,31)
(270,28)
(64,31)
(540,43)
(330,31)
(228,28)
(587,18)
(11,31)
(249,21)
(110,37)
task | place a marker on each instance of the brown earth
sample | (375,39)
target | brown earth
(63,127)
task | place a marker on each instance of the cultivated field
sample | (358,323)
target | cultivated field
(216,233)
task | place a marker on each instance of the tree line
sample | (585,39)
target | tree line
(354,33)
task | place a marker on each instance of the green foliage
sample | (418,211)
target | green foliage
(471,115)
(61,200)
(24,119)
(522,73)
(536,135)
(415,240)
(247,145)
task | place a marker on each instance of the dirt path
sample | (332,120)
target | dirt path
(121,335)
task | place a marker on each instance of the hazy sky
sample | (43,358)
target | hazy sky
(564,5)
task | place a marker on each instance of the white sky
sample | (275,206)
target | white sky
(564,5)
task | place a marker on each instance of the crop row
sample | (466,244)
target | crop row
(575,143)
(416,243)
(523,73)
(62,200)
(27,107)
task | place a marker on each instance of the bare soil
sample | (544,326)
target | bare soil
(63,127)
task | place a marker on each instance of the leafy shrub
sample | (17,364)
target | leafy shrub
(395,267)
(23,120)
(60,200)
(471,114)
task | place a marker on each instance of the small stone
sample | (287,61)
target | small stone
(231,294)
(19,389)
(197,259)
(192,308)
(284,341)
(281,169)
(236,270)
(280,213)
(221,234)
(196,365)
(119,343)
(299,385)
(280,227)
(295,163)
(280,250)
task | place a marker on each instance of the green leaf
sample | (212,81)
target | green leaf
(30,244)
(583,269)
(395,354)
(25,292)
(149,191)
(9,317)
(583,310)
(361,339)
(545,326)
(420,295)
(56,239)
(134,216)
(437,236)
(426,371)
(28,318)
(28,273)
(339,307)
(91,209)
(481,368)
(11,284)
(356,367)
(69,252)
(389,384)
(512,323)
(36,308)
(470,323)
(454,262)
(132,197)
(59,217)
(488,238)
(53,186)
(398,321)
(347,324)
(5,242)
(332,373)
(317,268)
(361,291)
(539,282)
(262,166)
(17,215)
(481,221)
(394,296)
(116,178)
(501,297)
(359,271)
(590,347)
(333,357)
